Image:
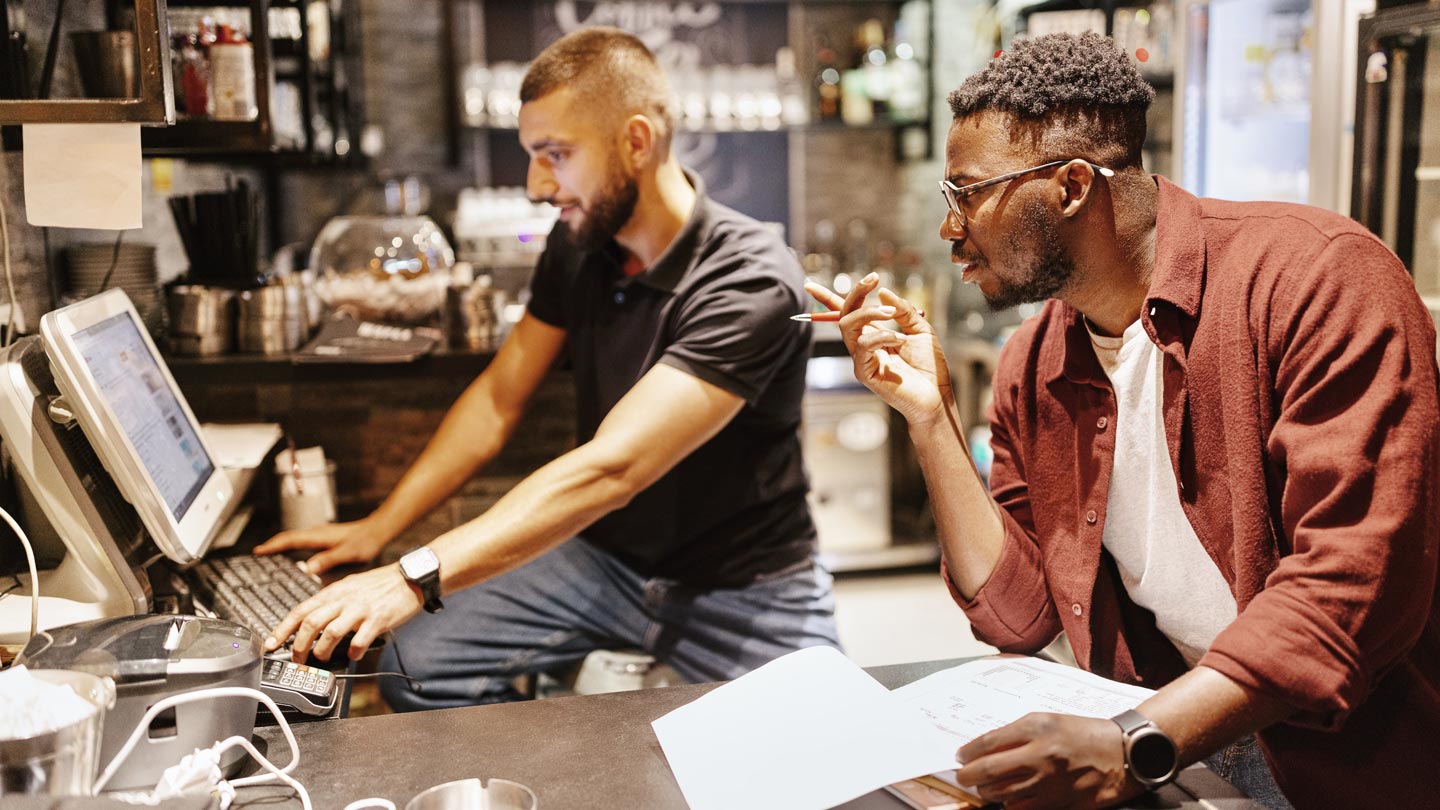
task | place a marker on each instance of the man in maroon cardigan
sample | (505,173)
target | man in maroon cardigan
(1216,458)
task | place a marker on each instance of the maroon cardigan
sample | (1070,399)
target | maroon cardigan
(1301,414)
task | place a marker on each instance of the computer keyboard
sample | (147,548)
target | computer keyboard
(254,591)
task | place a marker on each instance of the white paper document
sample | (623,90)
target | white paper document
(242,446)
(809,730)
(82,175)
(966,701)
(971,699)
(812,730)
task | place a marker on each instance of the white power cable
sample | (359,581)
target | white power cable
(282,774)
(34,574)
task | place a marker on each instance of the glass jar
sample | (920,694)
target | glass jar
(383,268)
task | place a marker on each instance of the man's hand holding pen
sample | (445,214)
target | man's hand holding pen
(906,368)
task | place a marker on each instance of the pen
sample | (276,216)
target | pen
(829,316)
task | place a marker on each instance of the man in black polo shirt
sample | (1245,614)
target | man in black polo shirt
(679,524)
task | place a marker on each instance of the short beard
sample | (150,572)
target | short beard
(1049,272)
(608,212)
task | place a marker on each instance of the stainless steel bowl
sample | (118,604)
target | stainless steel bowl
(471,794)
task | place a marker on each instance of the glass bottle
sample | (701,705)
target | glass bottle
(827,84)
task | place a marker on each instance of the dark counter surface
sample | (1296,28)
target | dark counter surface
(592,752)
(282,368)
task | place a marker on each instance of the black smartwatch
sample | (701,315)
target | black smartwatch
(421,568)
(1150,755)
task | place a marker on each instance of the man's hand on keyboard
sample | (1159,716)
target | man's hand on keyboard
(367,604)
(357,541)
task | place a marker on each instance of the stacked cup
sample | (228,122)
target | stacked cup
(202,319)
(272,319)
(134,272)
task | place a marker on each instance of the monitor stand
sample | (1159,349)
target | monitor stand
(103,571)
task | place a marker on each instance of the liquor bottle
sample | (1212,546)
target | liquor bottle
(827,84)
(793,110)
(907,76)
(873,66)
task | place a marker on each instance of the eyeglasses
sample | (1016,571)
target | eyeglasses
(954,194)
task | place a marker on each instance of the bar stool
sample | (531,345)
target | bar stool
(604,671)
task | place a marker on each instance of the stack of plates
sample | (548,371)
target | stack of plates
(134,273)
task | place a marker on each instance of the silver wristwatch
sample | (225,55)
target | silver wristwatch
(422,569)
(1150,755)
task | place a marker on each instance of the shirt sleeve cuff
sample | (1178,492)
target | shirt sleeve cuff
(719,379)
(1286,648)
(1023,619)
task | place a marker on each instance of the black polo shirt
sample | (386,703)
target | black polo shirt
(716,305)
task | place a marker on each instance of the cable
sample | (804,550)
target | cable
(415,682)
(8,335)
(34,574)
(417,685)
(114,261)
(283,774)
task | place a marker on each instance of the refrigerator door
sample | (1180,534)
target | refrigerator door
(1247,99)
(1396,191)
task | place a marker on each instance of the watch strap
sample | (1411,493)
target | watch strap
(1130,721)
(1134,726)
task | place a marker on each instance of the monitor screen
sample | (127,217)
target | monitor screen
(137,421)
(147,410)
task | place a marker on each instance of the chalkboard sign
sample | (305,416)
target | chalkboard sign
(746,170)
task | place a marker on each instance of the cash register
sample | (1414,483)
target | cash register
(131,499)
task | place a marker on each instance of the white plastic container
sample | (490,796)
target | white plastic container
(232,81)
(63,761)
(307,488)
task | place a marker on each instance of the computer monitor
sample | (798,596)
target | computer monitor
(138,422)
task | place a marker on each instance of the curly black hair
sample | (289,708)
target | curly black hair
(1077,95)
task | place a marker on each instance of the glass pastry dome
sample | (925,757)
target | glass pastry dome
(383,268)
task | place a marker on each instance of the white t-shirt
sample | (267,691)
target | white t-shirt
(1162,564)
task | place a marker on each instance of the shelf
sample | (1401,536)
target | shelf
(325,90)
(190,136)
(815,126)
(207,139)
(230,3)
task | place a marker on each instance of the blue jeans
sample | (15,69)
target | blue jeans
(574,599)
(1242,764)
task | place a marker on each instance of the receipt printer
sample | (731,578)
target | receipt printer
(151,658)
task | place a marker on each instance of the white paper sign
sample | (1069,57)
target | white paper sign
(806,731)
(82,175)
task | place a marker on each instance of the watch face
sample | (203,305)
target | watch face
(1152,756)
(418,565)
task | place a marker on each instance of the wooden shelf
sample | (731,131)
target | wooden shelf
(328,88)
(814,126)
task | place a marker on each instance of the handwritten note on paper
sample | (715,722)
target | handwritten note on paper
(966,701)
(971,699)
